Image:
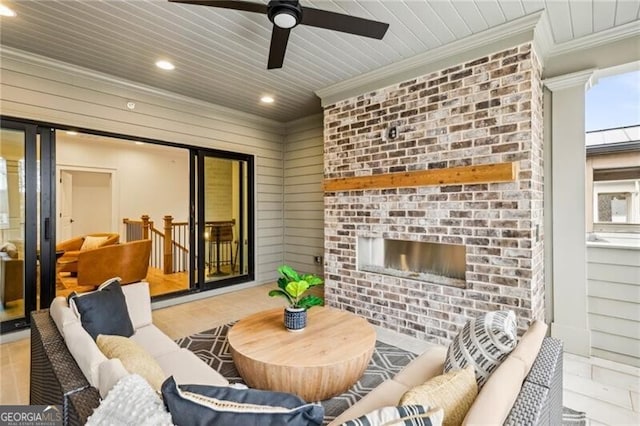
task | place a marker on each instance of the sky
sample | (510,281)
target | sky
(614,102)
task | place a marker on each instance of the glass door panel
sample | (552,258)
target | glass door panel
(221,208)
(21,192)
(224,215)
(12,219)
(130,191)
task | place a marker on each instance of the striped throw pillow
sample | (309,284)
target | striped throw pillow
(483,342)
(405,415)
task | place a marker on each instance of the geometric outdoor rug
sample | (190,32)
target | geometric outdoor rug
(211,346)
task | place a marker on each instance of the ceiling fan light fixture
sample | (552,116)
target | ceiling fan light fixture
(285,15)
(285,19)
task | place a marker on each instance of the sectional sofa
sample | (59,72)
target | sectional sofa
(68,369)
(58,378)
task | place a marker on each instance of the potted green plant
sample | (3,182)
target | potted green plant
(293,286)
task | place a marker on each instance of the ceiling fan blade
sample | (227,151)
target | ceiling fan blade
(344,23)
(237,5)
(279,39)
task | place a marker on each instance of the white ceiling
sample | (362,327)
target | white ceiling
(221,54)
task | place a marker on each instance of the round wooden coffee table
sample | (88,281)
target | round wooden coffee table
(322,361)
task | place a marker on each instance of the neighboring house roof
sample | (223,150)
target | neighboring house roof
(619,139)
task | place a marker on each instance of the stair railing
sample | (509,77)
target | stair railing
(169,250)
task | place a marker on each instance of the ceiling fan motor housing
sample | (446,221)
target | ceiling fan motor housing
(280,10)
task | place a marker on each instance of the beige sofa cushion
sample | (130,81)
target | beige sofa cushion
(62,314)
(138,303)
(388,393)
(429,364)
(110,372)
(530,344)
(84,351)
(498,395)
(187,369)
(493,403)
(154,341)
(454,392)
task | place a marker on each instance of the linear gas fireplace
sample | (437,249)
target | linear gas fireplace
(431,262)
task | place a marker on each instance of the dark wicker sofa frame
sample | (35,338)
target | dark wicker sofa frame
(56,379)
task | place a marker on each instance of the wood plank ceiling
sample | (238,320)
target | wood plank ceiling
(221,55)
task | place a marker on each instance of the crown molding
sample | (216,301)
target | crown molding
(543,37)
(505,35)
(569,80)
(226,114)
(631,29)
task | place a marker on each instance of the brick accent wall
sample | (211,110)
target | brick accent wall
(485,111)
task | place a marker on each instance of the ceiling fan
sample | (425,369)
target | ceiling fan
(286,14)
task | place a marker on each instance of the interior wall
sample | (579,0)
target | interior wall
(303,195)
(91,203)
(40,89)
(149,181)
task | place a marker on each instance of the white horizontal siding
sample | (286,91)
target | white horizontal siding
(303,196)
(614,303)
(77,98)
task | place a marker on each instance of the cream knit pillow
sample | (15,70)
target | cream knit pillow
(454,392)
(134,358)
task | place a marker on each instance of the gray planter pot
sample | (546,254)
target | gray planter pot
(295,319)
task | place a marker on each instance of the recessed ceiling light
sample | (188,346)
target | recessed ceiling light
(165,65)
(5,11)
(72,133)
(267,99)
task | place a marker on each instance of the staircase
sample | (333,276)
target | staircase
(169,246)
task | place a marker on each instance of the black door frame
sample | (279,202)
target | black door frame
(198,156)
(45,256)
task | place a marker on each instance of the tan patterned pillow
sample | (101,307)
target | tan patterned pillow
(454,392)
(91,243)
(135,358)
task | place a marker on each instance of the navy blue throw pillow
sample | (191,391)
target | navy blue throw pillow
(104,311)
(199,405)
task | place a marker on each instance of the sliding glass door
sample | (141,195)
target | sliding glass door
(195,204)
(224,202)
(26,246)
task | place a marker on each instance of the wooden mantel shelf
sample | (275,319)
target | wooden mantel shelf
(484,173)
